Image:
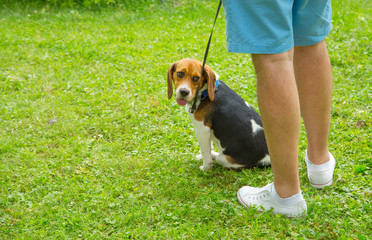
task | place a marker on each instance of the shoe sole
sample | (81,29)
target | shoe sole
(320,186)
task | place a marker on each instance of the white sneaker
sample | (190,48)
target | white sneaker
(267,197)
(320,175)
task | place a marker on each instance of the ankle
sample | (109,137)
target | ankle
(286,191)
(311,167)
(288,200)
(318,157)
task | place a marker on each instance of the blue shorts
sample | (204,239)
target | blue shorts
(275,26)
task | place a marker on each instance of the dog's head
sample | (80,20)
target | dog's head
(186,74)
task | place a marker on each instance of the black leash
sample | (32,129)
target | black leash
(192,109)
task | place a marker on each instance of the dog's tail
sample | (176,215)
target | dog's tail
(264,162)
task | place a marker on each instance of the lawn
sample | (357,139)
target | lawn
(91,148)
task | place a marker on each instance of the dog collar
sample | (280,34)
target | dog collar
(204,94)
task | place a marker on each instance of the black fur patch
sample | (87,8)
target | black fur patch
(230,120)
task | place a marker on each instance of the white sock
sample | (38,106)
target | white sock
(286,201)
(315,167)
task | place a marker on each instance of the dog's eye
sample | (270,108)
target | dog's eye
(195,79)
(180,74)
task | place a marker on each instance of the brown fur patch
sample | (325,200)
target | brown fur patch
(230,159)
(203,113)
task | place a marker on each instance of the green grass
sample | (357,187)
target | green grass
(90,147)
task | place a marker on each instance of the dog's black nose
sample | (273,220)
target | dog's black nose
(184,92)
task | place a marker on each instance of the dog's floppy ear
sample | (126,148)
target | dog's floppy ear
(171,70)
(211,81)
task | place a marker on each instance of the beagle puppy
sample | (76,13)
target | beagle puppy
(221,116)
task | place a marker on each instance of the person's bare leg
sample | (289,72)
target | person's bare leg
(280,110)
(314,81)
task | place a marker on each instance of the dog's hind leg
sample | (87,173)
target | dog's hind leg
(227,162)
(214,155)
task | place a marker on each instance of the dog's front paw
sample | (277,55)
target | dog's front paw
(199,157)
(205,168)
